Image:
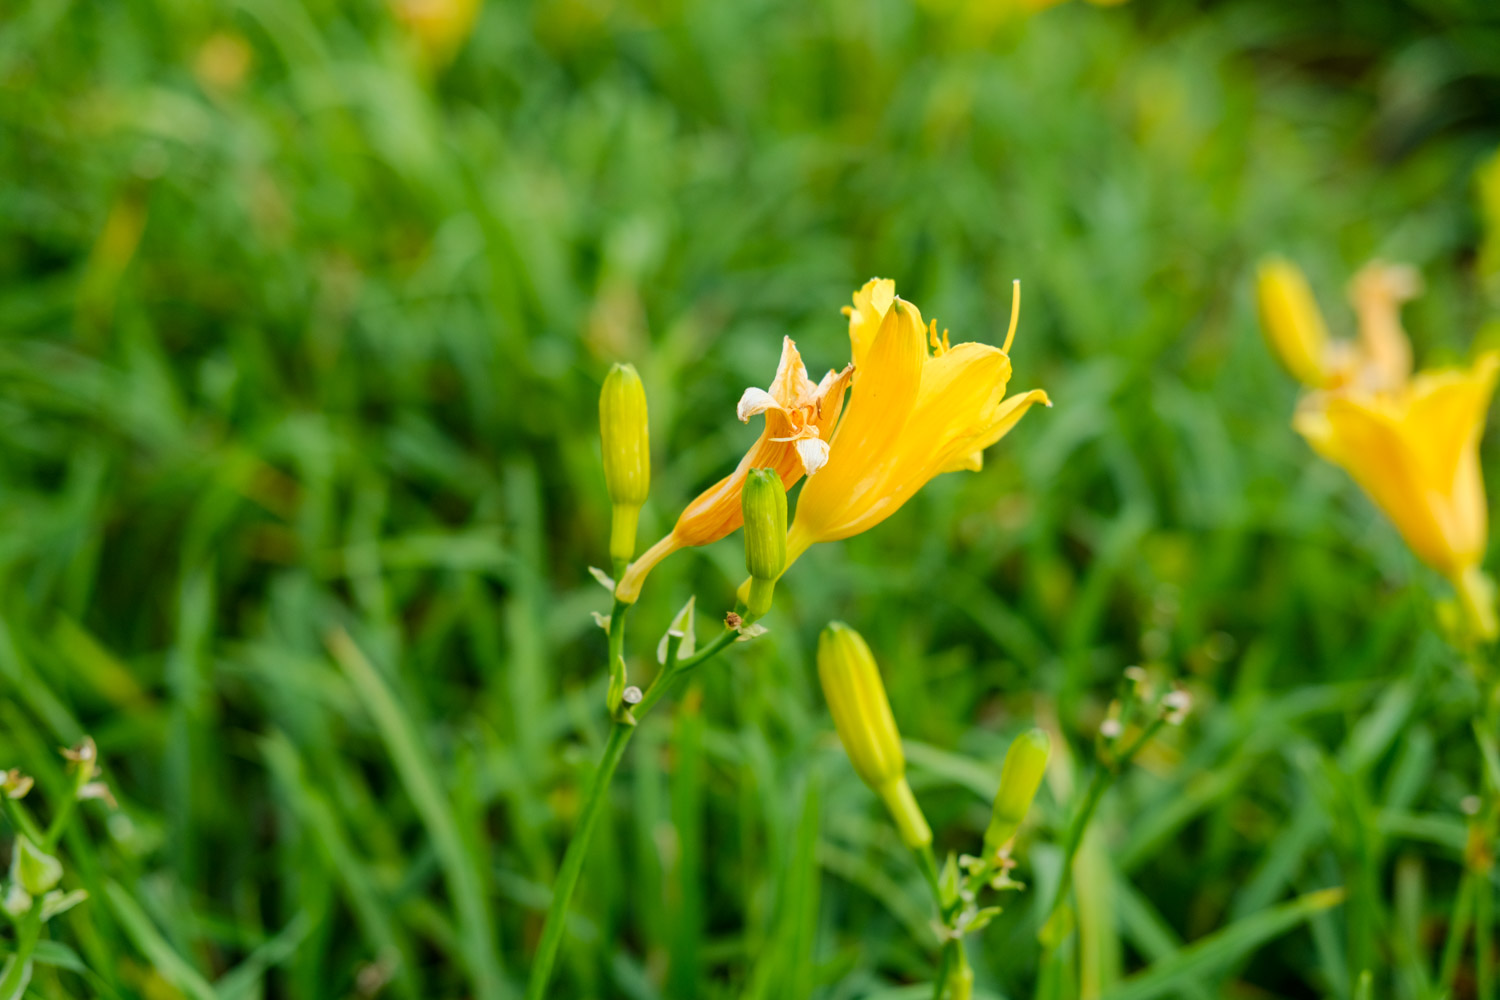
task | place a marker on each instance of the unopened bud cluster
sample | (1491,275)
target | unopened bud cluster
(35,873)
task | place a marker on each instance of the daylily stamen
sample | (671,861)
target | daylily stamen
(1411,442)
(1015,316)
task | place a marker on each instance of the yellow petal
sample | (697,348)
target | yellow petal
(1291,321)
(873,422)
(1446,413)
(969,454)
(871,303)
(1439,509)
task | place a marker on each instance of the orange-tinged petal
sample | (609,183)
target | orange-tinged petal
(1377,292)
(799,415)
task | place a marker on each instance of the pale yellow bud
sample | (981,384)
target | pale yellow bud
(1292,324)
(1020,776)
(627,455)
(862,714)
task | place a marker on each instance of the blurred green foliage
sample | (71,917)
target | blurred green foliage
(300,342)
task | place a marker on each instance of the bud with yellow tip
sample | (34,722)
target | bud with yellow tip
(862,714)
(627,455)
(763,502)
(1020,776)
(1292,323)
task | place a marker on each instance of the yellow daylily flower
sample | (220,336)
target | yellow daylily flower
(1411,443)
(438,27)
(1415,452)
(800,417)
(912,415)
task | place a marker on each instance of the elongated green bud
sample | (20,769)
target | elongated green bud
(862,714)
(1020,776)
(763,502)
(33,869)
(627,455)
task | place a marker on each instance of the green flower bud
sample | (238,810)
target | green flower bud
(33,870)
(1020,776)
(763,502)
(862,715)
(627,455)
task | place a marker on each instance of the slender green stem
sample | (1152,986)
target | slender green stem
(708,652)
(952,965)
(20,820)
(619,736)
(572,866)
(1458,929)
(1484,926)
(617,656)
(1103,778)
(65,811)
(928,863)
(17,972)
(945,970)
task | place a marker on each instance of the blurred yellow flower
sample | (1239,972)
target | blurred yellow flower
(1415,451)
(223,62)
(1291,321)
(912,416)
(1411,443)
(439,27)
(1298,336)
(800,415)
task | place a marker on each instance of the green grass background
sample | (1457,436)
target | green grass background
(299,483)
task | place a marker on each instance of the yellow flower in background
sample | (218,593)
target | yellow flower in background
(800,416)
(912,415)
(439,27)
(1291,321)
(1411,443)
(223,62)
(1415,451)
(1298,336)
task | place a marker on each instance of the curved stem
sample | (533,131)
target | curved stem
(1103,778)
(572,866)
(619,736)
(18,968)
(929,865)
(955,978)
